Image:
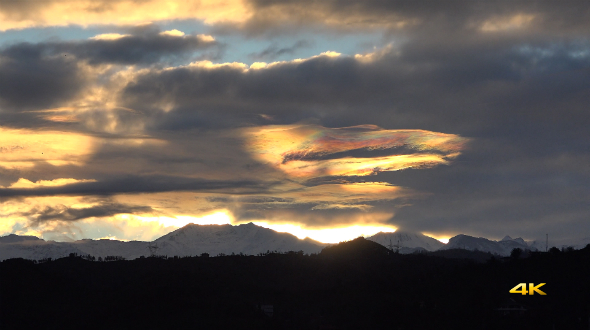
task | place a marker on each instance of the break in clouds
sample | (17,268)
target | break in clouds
(467,117)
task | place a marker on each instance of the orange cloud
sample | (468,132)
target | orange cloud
(24,183)
(23,148)
(307,151)
(25,14)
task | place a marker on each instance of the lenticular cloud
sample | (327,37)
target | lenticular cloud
(308,151)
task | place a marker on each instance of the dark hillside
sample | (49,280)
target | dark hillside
(357,248)
(353,285)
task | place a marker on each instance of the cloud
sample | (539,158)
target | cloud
(24,183)
(31,13)
(64,213)
(270,16)
(273,51)
(503,97)
(507,83)
(137,184)
(148,45)
(25,148)
(310,151)
(31,80)
(66,79)
(399,14)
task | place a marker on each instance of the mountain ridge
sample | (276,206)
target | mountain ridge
(194,239)
(189,240)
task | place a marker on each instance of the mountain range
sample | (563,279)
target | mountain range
(248,239)
(407,242)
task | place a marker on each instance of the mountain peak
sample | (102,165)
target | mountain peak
(520,240)
(356,248)
(503,247)
(244,238)
(406,239)
(13,238)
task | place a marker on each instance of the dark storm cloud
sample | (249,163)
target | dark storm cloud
(43,75)
(142,49)
(551,17)
(437,87)
(273,51)
(138,184)
(30,80)
(64,213)
(522,100)
(147,46)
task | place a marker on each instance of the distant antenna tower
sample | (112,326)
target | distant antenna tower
(153,249)
(398,246)
(546,242)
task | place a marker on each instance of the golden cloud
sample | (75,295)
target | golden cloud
(22,148)
(27,14)
(24,183)
(308,151)
(506,23)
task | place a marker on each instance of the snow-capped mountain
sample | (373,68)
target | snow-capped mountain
(189,240)
(36,249)
(503,247)
(408,242)
(12,238)
(246,238)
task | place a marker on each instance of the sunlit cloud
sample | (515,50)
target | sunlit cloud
(337,206)
(109,36)
(440,237)
(51,218)
(505,23)
(23,148)
(122,12)
(308,151)
(18,215)
(328,235)
(218,217)
(145,227)
(172,33)
(24,183)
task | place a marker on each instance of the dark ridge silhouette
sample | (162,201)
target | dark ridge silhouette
(352,285)
(356,248)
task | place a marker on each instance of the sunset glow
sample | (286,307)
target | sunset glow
(325,119)
(328,235)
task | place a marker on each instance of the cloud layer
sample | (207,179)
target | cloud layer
(466,117)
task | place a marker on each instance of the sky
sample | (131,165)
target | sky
(127,119)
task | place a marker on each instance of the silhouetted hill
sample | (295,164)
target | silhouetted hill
(357,248)
(352,285)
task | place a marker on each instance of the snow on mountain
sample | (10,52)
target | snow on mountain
(246,238)
(12,238)
(36,249)
(503,247)
(189,240)
(408,242)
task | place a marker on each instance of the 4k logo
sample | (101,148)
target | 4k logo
(531,291)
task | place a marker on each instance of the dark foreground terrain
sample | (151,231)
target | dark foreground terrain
(354,285)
